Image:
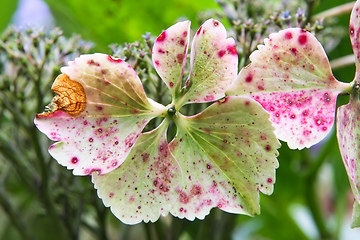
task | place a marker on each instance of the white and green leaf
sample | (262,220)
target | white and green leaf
(100,138)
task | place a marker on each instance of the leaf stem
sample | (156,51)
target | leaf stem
(335,11)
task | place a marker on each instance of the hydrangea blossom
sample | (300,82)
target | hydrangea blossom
(221,157)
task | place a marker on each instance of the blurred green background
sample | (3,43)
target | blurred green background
(42,200)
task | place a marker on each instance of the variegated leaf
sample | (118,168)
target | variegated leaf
(146,185)
(290,77)
(169,54)
(99,135)
(227,154)
(354,31)
(213,63)
(348,134)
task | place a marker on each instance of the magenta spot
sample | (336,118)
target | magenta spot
(232,50)
(318,121)
(260,88)
(324,128)
(85,122)
(98,170)
(208,166)
(184,197)
(91,139)
(263,136)
(181,209)
(99,108)
(92,62)
(161,51)
(139,207)
(268,148)
(288,35)
(216,23)
(171,84)
(145,157)
(302,39)
(269,180)
(247,103)
(249,78)
(100,130)
(351,30)
(155,183)
(157,63)
(199,31)
(135,111)
(294,51)
(114,60)
(196,190)
(161,37)
(180,57)
(221,53)
(327,98)
(74,160)
(305,112)
(293,116)
(307,132)
(219,205)
(182,42)
(111,195)
(185,33)
(116,142)
(209,98)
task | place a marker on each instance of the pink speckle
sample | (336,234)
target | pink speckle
(324,128)
(199,31)
(99,108)
(182,42)
(318,121)
(180,57)
(93,63)
(161,51)
(288,35)
(221,53)
(196,190)
(185,33)
(161,37)
(209,98)
(269,180)
(302,39)
(293,51)
(184,198)
(111,195)
(74,160)
(208,166)
(232,50)
(85,122)
(307,132)
(249,78)
(157,63)
(351,30)
(171,84)
(114,60)
(181,209)
(91,139)
(216,23)
(268,148)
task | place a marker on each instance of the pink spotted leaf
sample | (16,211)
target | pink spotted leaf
(227,154)
(100,137)
(290,77)
(146,185)
(348,134)
(354,32)
(169,54)
(213,63)
(207,165)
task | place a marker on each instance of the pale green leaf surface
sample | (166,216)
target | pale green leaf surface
(348,134)
(356,215)
(227,154)
(146,185)
(290,77)
(100,138)
(213,63)
(169,54)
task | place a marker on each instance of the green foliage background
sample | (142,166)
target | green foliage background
(312,180)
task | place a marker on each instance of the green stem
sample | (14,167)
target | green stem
(336,11)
